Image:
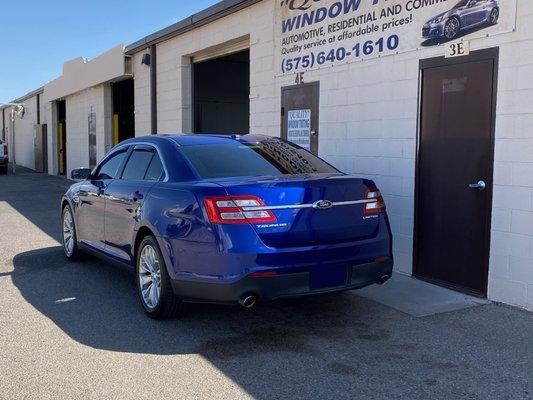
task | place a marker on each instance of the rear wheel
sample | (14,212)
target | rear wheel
(153,282)
(451,28)
(3,170)
(70,243)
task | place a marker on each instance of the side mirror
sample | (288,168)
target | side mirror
(80,174)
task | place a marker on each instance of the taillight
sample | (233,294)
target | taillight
(5,150)
(232,210)
(377,205)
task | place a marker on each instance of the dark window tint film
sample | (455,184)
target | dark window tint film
(137,165)
(267,158)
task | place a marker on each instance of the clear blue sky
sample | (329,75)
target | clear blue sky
(38,36)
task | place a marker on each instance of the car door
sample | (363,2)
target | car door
(90,200)
(474,12)
(125,198)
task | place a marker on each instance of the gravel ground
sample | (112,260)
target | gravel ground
(75,331)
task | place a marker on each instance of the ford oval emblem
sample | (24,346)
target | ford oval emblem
(323,205)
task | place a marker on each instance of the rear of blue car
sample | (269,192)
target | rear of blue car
(279,235)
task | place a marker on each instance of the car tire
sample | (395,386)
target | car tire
(3,170)
(154,288)
(494,16)
(452,28)
(70,242)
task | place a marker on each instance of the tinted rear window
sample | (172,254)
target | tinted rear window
(268,158)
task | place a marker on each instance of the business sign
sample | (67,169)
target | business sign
(313,34)
(299,128)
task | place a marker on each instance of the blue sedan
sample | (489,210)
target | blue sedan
(464,15)
(227,219)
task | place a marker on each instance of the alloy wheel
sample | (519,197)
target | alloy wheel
(68,233)
(149,277)
(494,15)
(451,29)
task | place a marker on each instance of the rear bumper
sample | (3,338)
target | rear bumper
(3,161)
(289,285)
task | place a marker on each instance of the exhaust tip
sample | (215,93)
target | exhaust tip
(248,301)
(383,279)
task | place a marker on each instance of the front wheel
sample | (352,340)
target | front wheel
(70,243)
(451,28)
(153,282)
(494,16)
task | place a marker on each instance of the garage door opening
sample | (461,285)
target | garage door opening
(123,111)
(222,94)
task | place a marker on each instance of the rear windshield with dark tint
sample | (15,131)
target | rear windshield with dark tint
(268,158)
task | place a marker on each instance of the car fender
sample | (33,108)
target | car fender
(166,249)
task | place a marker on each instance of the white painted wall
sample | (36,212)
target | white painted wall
(80,74)
(368,126)
(78,108)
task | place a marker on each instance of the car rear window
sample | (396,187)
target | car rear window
(267,158)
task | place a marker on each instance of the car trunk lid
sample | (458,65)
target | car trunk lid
(310,209)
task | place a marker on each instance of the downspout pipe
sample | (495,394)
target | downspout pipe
(153,88)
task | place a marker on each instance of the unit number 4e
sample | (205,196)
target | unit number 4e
(457,49)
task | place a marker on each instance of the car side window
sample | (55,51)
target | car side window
(138,164)
(155,170)
(109,169)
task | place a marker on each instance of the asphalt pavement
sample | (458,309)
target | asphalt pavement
(75,331)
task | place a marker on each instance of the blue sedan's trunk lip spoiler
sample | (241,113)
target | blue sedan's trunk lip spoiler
(308,205)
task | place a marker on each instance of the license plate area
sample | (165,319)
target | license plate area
(324,277)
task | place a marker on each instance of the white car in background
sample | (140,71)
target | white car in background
(3,157)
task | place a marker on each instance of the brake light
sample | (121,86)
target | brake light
(377,205)
(231,210)
(263,274)
(5,150)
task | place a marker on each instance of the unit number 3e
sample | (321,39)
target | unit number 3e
(457,49)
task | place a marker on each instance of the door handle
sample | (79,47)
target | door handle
(481,185)
(101,189)
(137,196)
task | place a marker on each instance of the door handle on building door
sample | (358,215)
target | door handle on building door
(481,185)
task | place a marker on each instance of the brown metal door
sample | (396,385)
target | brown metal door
(454,174)
(299,115)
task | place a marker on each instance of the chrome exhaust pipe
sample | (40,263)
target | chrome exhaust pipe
(248,301)
(383,279)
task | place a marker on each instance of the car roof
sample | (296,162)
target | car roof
(197,139)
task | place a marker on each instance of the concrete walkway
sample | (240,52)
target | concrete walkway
(417,298)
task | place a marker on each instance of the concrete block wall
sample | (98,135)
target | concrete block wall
(141,83)
(25,135)
(511,262)
(173,67)
(78,108)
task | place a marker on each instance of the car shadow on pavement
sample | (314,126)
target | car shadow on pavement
(95,304)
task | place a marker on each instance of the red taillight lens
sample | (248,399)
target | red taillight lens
(377,205)
(263,274)
(5,150)
(232,210)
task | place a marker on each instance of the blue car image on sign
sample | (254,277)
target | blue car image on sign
(316,34)
(464,17)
